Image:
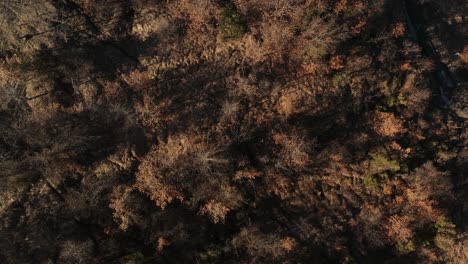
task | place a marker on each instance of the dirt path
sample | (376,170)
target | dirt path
(446,80)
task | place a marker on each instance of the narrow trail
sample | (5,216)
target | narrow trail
(415,24)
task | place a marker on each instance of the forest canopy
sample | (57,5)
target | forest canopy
(233,131)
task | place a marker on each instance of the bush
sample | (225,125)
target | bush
(445,232)
(405,247)
(231,25)
(373,181)
(380,163)
(341,80)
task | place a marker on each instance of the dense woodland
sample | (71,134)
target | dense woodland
(233,131)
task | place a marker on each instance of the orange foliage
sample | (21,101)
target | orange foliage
(287,104)
(406,67)
(215,210)
(288,244)
(311,68)
(398,30)
(293,152)
(464,55)
(162,243)
(246,174)
(119,206)
(161,194)
(277,184)
(337,62)
(358,27)
(340,6)
(387,124)
(398,228)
